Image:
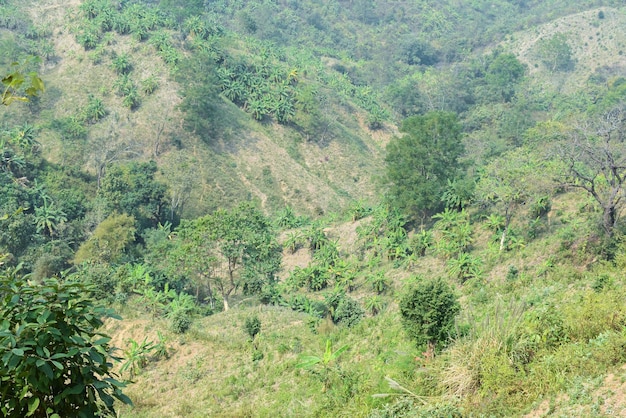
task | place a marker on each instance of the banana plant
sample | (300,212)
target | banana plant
(323,366)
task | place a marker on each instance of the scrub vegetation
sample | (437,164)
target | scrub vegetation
(297,208)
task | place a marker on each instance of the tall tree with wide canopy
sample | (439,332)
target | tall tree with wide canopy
(231,249)
(420,162)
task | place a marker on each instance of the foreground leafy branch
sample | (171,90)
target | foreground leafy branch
(19,86)
(53,361)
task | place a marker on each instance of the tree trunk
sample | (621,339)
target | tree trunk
(610,216)
(503,239)
(226,304)
(507,217)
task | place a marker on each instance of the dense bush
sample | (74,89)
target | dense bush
(348,312)
(180,321)
(428,311)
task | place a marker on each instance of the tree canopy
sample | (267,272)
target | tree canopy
(420,163)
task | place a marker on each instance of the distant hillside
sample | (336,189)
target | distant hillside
(597,39)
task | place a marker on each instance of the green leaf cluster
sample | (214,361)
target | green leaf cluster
(19,86)
(428,311)
(54,362)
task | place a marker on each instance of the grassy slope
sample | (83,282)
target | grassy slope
(211,371)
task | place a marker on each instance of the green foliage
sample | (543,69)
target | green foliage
(511,180)
(379,282)
(374,304)
(545,327)
(421,242)
(14,85)
(386,233)
(348,312)
(359,210)
(294,241)
(262,89)
(502,76)
(555,52)
(409,407)
(465,267)
(316,277)
(428,311)
(200,94)
(324,366)
(316,236)
(495,223)
(149,85)
(179,309)
(94,111)
(420,163)
(252,326)
(459,193)
(132,189)
(48,217)
(136,356)
(88,37)
(455,233)
(131,99)
(180,321)
(592,160)
(229,249)
(109,241)
(287,218)
(121,64)
(540,207)
(54,361)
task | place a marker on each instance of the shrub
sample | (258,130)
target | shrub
(428,311)
(252,326)
(270,295)
(348,312)
(180,321)
(540,207)
(257,356)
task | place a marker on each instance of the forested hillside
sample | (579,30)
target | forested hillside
(297,208)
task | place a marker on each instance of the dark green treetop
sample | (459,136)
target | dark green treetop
(420,163)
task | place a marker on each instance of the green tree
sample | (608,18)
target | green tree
(232,249)
(428,311)
(53,361)
(109,241)
(420,163)
(516,178)
(132,189)
(502,75)
(555,53)
(200,95)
